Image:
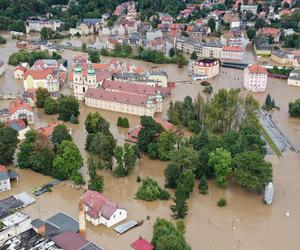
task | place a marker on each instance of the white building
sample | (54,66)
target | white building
(294,78)
(204,68)
(2,67)
(100,210)
(232,53)
(13,225)
(255,78)
(37,25)
(21,110)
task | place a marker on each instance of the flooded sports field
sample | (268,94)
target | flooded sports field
(245,223)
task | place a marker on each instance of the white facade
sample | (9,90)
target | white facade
(5,184)
(37,25)
(118,216)
(13,225)
(148,110)
(23,112)
(75,31)
(236,55)
(255,81)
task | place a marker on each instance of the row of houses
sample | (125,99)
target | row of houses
(45,73)
(212,49)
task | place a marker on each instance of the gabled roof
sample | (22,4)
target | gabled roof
(38,73)
(18,104)
(257,69)
(142,244)
(99,205)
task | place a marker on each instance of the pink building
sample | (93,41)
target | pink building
(255,78)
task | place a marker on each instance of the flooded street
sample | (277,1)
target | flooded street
(246,223)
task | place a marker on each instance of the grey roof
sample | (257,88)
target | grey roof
(90,21)
(12,175)
(8,204)
(64,222)
(125,226)
(91,246)
(37,223)
(4,176)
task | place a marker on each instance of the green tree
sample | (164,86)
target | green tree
(150,191)
(41,96)
(125,123)
(83,47)
(67,106)
(60,134)
(68,160)
(268,103)
(251,171)
(194,56)
(77,178)
(120,122)
(212,24)
(185,157)
(179,208)
(165,145)
(46,33)
(220,160)
(187,180)
(167,236)
(294,108)
(50,106)
(102,146)
(251,33)
(96,183)
(94,56)
(126,158)
(95,123)
(172,52)
(203,187)
(8,144)
(172,174)
(149,133)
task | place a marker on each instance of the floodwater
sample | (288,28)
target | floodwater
(246,223)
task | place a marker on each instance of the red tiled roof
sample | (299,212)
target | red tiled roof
(48,130)
(142,244)
(16,105)
(256,69)
(19,122)
(114,96)
(102,75)
(270,31)
(3,169)
(99,205)
(21,68)
(38,73)
(69,240)
(233,48)
(130,87)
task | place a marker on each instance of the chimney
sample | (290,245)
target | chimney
(81,219)
(41,230)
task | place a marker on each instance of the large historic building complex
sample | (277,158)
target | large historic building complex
(98,90)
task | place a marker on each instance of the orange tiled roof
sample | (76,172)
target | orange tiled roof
(256,69)
(233,48)
(38,74)
(17,104)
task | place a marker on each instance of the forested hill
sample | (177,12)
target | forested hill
(13,13)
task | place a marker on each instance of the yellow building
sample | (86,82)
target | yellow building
(205,68)
(160,77)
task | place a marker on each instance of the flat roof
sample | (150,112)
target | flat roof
(125,226)
(14,219)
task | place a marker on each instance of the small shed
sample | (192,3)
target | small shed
(142,244)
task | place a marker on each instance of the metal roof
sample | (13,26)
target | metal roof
(125,226)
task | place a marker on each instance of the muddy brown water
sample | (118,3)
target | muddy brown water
(246,223)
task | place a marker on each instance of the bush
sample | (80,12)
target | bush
(150,191)
(123,122)
(96,183)
(203,187)
(77,178)
(50,106)
(222,202)
(74,120)
(138,179)
(2,40)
